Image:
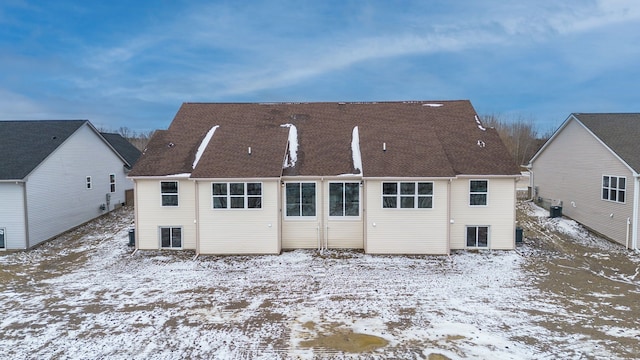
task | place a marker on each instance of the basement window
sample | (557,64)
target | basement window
(171,237)
(477,236)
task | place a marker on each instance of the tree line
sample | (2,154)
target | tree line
(519,134)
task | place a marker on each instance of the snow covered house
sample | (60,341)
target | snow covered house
(55,175)
(387,177)
(590,168)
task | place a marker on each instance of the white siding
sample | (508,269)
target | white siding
(302,232)
(57,196)
(499,214)
(240,231)
(12,215)
(570,170)
(406,231)
(151,215)
(346,232)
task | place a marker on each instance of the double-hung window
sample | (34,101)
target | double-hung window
(112,183)
(344,199)
(300,199)
(614,188)
(478,236)
(88,182)
(169,193)
(478,191)
(407,195)
(236,195)
(171,237)
(3,239)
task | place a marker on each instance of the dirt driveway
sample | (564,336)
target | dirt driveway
(562,294)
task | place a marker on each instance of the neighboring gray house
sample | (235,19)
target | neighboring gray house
(55,175)
(590,167)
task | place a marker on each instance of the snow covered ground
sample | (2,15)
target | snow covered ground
(85,296)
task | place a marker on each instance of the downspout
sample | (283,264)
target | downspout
(136,206)
(449,219)
(197,217)
(634,222)
(627,233)
(363,205)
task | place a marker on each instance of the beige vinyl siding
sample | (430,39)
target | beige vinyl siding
(499,214)
(300,234)
(342,232)
(570,170)
(239,231)
(406,231)
(151,215)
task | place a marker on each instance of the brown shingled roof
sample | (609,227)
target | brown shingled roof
(422,139)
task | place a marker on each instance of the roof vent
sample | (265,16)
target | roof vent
(171,145)
(481,143)
(54,138)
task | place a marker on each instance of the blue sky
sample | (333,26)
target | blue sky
(133,63)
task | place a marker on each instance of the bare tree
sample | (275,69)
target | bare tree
(519,135)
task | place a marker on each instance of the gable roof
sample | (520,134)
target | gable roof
(617,131)
(396,139)
(25,144)
(122,146)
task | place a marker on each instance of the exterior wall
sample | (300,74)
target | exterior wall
(303,232)
(499,214)
(12,215)
(347,233)
(569,171)
(407,231)
(151,215)
(57,195)
(240,231)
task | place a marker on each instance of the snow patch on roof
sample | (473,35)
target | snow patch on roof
(355,150)
(203,145)
(292,153)
(479,123)
(432,105)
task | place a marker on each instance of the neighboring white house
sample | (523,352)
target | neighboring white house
(55,175)
(590,168)
(411,177)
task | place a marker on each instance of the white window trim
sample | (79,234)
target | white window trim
(398,196)
(4,234)
(115,178)
(478,247)
(245,195)
(171,227)
(88,185)
(477,193)
(177,193)
(299,217)
(344,217)
(602,187)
